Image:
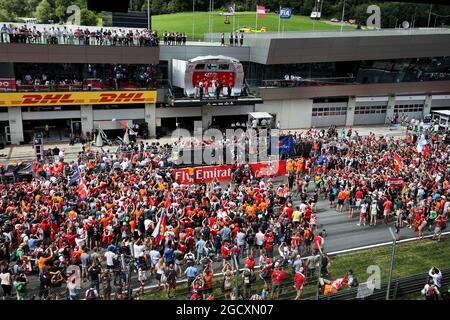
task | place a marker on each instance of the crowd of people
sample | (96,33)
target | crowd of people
(108,211)
(79,36)
(174,38)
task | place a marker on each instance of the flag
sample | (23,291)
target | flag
(286,145)
(395,182)
(82,189)
(76,175)
(231,9)
(397,162)
(285,13)
(261,11)
(160,229)
(426,151)
(421,144)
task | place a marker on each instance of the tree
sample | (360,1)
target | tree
(5,16)
(44,11)
(157,7)
(15,8)
(88,18)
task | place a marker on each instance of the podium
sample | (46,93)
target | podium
(38,143)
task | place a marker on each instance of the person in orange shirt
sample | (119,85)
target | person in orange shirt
(341,199)
(43,259)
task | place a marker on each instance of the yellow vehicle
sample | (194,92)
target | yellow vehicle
(248,29)
(352,21)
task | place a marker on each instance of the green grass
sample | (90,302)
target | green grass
(411,258)
(182,22)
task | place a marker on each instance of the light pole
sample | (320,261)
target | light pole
(391,268)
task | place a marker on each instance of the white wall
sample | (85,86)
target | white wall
(4,116)
(292,114)
(228,110)
(15,124)
(178,112)
(119,114)
(48,115)
(178,72)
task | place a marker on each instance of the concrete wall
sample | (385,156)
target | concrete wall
(41,115)
(119,114)
(38,53)
(292,114)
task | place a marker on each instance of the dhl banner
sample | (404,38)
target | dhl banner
(76,98)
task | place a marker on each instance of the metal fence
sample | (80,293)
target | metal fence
(399,287)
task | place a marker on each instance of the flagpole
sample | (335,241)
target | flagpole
(342,18)
(279,20)
(209,19)
(193,20)
(234,17)
(256,27)
(212,19)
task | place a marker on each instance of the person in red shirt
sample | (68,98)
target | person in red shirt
(289,211)
(299,281)
(225,251)
(440,221)
(250,262)
(387,206)
(318,241)
(269,240)
(278,278)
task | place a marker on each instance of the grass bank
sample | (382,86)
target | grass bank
(182,22)
(411,258)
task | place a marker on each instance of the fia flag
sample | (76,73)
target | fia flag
(285,13)
(160,229)
(261,11)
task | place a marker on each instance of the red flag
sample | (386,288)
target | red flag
(82,189)
(426,151)
(261,11)
(397,162)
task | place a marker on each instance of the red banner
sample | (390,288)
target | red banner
(7,84)
(223,172)
(207,78)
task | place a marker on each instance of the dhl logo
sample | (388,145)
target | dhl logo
(67,98)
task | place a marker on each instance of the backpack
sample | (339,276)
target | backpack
(20,287)
(91,295)
(431,291)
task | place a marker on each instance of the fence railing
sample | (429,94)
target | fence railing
(399,287)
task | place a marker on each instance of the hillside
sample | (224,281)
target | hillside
(182,22)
